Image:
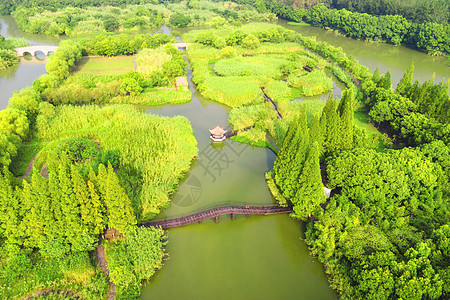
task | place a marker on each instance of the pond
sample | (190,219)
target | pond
(257,257)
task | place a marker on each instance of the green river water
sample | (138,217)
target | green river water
(259,257)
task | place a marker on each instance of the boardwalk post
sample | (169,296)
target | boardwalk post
(232,216)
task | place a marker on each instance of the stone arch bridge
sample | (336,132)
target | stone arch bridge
(33,49)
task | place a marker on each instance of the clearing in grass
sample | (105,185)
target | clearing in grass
(105,65)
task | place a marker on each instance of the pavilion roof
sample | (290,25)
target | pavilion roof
(181,81)
(218,131)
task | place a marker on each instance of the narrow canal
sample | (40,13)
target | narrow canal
(260,257)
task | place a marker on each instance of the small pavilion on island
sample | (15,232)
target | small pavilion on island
(218,134)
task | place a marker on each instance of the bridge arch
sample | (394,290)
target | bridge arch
(34,49)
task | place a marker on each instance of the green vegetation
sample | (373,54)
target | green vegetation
(415,114)
(49,227)
(134,260)
(77,18)
(383,234)
(26,152)
(98,167)
(105,65)
(76,80)
(429,36)
(8,56)
(417,11)
(311,84)
(168,141)
(235,74)
(151,60)
(388,225)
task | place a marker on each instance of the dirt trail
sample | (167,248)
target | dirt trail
(100,254)
(30,166)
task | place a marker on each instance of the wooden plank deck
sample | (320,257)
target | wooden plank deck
(215,212)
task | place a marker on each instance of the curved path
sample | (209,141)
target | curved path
(100,254)
(218,211)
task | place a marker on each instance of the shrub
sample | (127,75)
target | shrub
(220,43)
(228,51)
(179,20)
(250,42)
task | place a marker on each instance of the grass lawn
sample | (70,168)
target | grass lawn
(362,120)
(106,65)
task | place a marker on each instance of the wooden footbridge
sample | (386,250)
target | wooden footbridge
(275,107)
(217,211)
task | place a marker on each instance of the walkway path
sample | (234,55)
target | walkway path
(100,254)
(218,211)
(267,98)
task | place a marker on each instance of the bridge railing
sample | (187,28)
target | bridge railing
(217,211)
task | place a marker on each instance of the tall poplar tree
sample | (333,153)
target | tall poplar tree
(70,206)
(310,192)
(31,225)
(295,168)
(405,83)
(96,215)
(346,120)
(385,81)
(55,202)
(39,186)
(281,165)
(120,210)
(315,132)
(332,128)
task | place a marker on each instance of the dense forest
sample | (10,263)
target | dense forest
(76,21)
(100,163)
(397,23)
(429,37)
(384,233)
(94,168)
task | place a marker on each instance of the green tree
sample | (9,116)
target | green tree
(220,43)
(250,42)
(228,51)
(310,192)
(119,208)
(111,24)
(130,86)
(315,133)
(27,100)
(284,157)
(298,151)
(346,119)
(14,121)
(217,22)
(331,116)
(385,81)
(406,82)
(179,20)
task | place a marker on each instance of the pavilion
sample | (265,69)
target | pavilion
(218,134)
